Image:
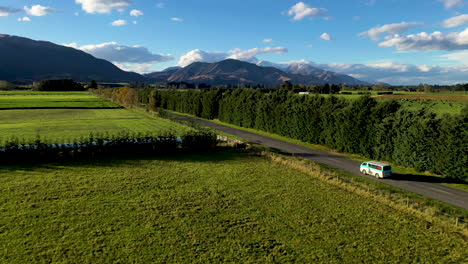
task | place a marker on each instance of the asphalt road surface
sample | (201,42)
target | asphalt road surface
(427,186)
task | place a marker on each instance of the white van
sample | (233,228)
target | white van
(377,169)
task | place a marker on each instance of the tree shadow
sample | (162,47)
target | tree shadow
(424,178)
(219,154)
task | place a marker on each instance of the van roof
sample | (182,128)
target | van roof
(378,163)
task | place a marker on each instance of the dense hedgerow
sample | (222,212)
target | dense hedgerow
(105,145)
(383,131)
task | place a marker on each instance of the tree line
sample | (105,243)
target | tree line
(99,145)
(378,130)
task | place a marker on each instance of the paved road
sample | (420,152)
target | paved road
(431,187)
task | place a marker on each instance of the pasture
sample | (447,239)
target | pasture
(439,103)
(224,206)
(64,116)
(44,100)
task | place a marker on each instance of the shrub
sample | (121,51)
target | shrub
(59,85)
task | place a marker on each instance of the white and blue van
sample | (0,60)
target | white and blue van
(377,169)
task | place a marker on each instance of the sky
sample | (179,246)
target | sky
(392,41)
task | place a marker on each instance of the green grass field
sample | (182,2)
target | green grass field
(219,207)
(67,123)
(439,103)
(30,99)
(60,125)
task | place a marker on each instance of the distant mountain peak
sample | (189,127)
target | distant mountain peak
(304,67)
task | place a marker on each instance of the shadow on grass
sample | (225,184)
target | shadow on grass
(218,154)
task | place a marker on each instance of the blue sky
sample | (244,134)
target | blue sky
(391,41)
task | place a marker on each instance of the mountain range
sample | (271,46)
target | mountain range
(26,60)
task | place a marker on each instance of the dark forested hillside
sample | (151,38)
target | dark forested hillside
(26,60)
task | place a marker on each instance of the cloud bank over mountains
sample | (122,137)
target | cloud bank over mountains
(130,58)
(198,55)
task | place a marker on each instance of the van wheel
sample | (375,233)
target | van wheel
(377,175)
(364,172)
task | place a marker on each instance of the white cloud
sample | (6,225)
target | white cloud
(234,51)
(249,55)
(160,5)
(102,6)
(269,40)
(38,10)
(119,23)
(237,54)
(395,28)
(72,45)
(135,67)
(135,22)
(24,19)
(401,73)
(425,42)
(452,3)
(455,21)
(116,53)
(301,10)
(6,11)
(198,55)
(460,57)
(389,72)
(178,19)
(136,13)
(326,36)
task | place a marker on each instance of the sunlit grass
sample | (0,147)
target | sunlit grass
(18,100)
(57,125)
(205,208)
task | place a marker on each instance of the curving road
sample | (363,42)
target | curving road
(427,186)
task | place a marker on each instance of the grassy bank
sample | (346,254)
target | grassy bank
(224,206)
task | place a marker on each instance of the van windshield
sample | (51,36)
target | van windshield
(387,168)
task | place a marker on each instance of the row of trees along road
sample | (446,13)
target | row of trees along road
(378,130)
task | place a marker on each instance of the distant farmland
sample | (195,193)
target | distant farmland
(439,103)
(37,100)
(78,114)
